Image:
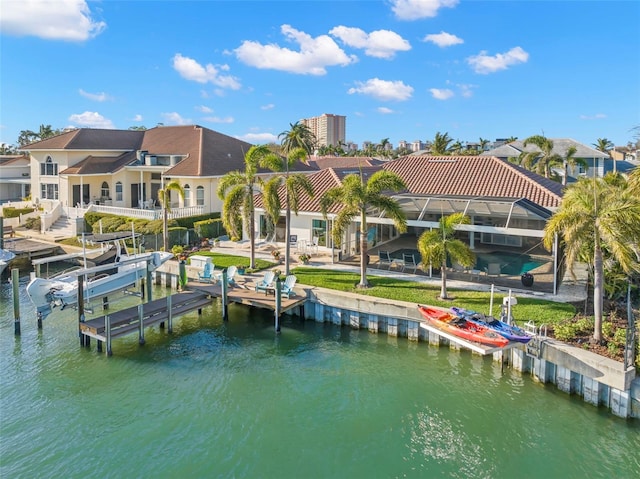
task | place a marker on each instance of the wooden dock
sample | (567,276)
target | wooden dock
(29,248)
(247,295)
(126,321)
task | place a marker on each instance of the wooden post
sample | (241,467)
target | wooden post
(140,319)
(84,340)
(149,282)
(142,289)
(105,303)
(15,284)
(224,285)
(107,328)
(278,303)
(169,314)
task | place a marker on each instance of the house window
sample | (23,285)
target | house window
(49,168)
(104,190)
(119,191)
(187,196)
(48,191)
(319,230)
(200,196)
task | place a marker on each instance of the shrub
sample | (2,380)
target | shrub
(210,228)
(33,223)
(11,212)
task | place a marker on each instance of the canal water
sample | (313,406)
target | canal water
(233,400)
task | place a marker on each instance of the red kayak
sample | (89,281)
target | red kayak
(458,326)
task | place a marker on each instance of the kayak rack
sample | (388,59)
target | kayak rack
(482,349)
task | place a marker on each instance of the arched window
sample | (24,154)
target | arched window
(187,196)
(49,168)
(119,191)
(200,196)
(104,191)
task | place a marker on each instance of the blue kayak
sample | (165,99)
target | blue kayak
(512,333)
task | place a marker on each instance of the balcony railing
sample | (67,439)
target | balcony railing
(142,213)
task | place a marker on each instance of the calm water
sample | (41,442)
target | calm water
(234,400)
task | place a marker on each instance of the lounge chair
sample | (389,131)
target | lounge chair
(266,283)
(409,262)
(287,286)
(384,258)
(206,275)
(493,269)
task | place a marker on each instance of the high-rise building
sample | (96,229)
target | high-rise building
(328,129)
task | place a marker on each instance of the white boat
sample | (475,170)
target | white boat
(116,270)
(5,257)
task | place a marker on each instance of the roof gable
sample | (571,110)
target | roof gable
(91,139)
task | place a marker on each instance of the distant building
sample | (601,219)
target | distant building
(328,129)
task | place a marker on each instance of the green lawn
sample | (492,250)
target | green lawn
(538,310)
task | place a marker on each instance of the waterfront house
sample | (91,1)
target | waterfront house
(15,179)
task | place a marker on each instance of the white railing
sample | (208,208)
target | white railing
(49,217)
(147,214)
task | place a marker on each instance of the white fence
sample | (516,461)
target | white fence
(147,214)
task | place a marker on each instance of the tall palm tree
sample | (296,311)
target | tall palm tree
(483,144)
(440,145)
(571,160)
(298,135)
(294,186)
(604,145)
(437,245)
(237,190)
(164,198)
(541,161)
(595,216)
(357,196)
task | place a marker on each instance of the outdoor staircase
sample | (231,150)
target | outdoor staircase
(62,228)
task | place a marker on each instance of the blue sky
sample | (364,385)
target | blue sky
(397,69)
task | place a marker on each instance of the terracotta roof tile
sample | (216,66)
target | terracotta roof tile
(322,162)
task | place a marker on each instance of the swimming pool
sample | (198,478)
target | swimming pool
(512,264)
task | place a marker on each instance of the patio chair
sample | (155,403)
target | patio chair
(384,258)
(232,271)
(409,262)
(206,275)
(287,286)
(266,282)
(313,247)
(493,269)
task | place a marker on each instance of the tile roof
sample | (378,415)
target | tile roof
(474,176)
(15,160)
(100,165)
(321,162)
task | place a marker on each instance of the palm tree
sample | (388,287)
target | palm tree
(440,145)
(357,196)
(596,216)
(605,146)
(298,135)
(436,246)
(294,185)
(511,139)
(164,198)
(237,190)
(483,144)
(571,160)
(541,161)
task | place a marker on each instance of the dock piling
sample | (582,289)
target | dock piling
(169,315)
(224,286)
(141,339)
(278,304)
(15,283)
(84,340)
(107,328)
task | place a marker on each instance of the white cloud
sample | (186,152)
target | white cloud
(259,138)
(190,69)
(91,119)
(174,118)
(204,109)
(443,39)
(216,119)
(102,96)
(441,93)
(270,106)
(383,89)
(384,110)
(379,44)
(314,56)
(597,116)
(417,9)
(68,20)
(483,63)
(466,90)
(137,118)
